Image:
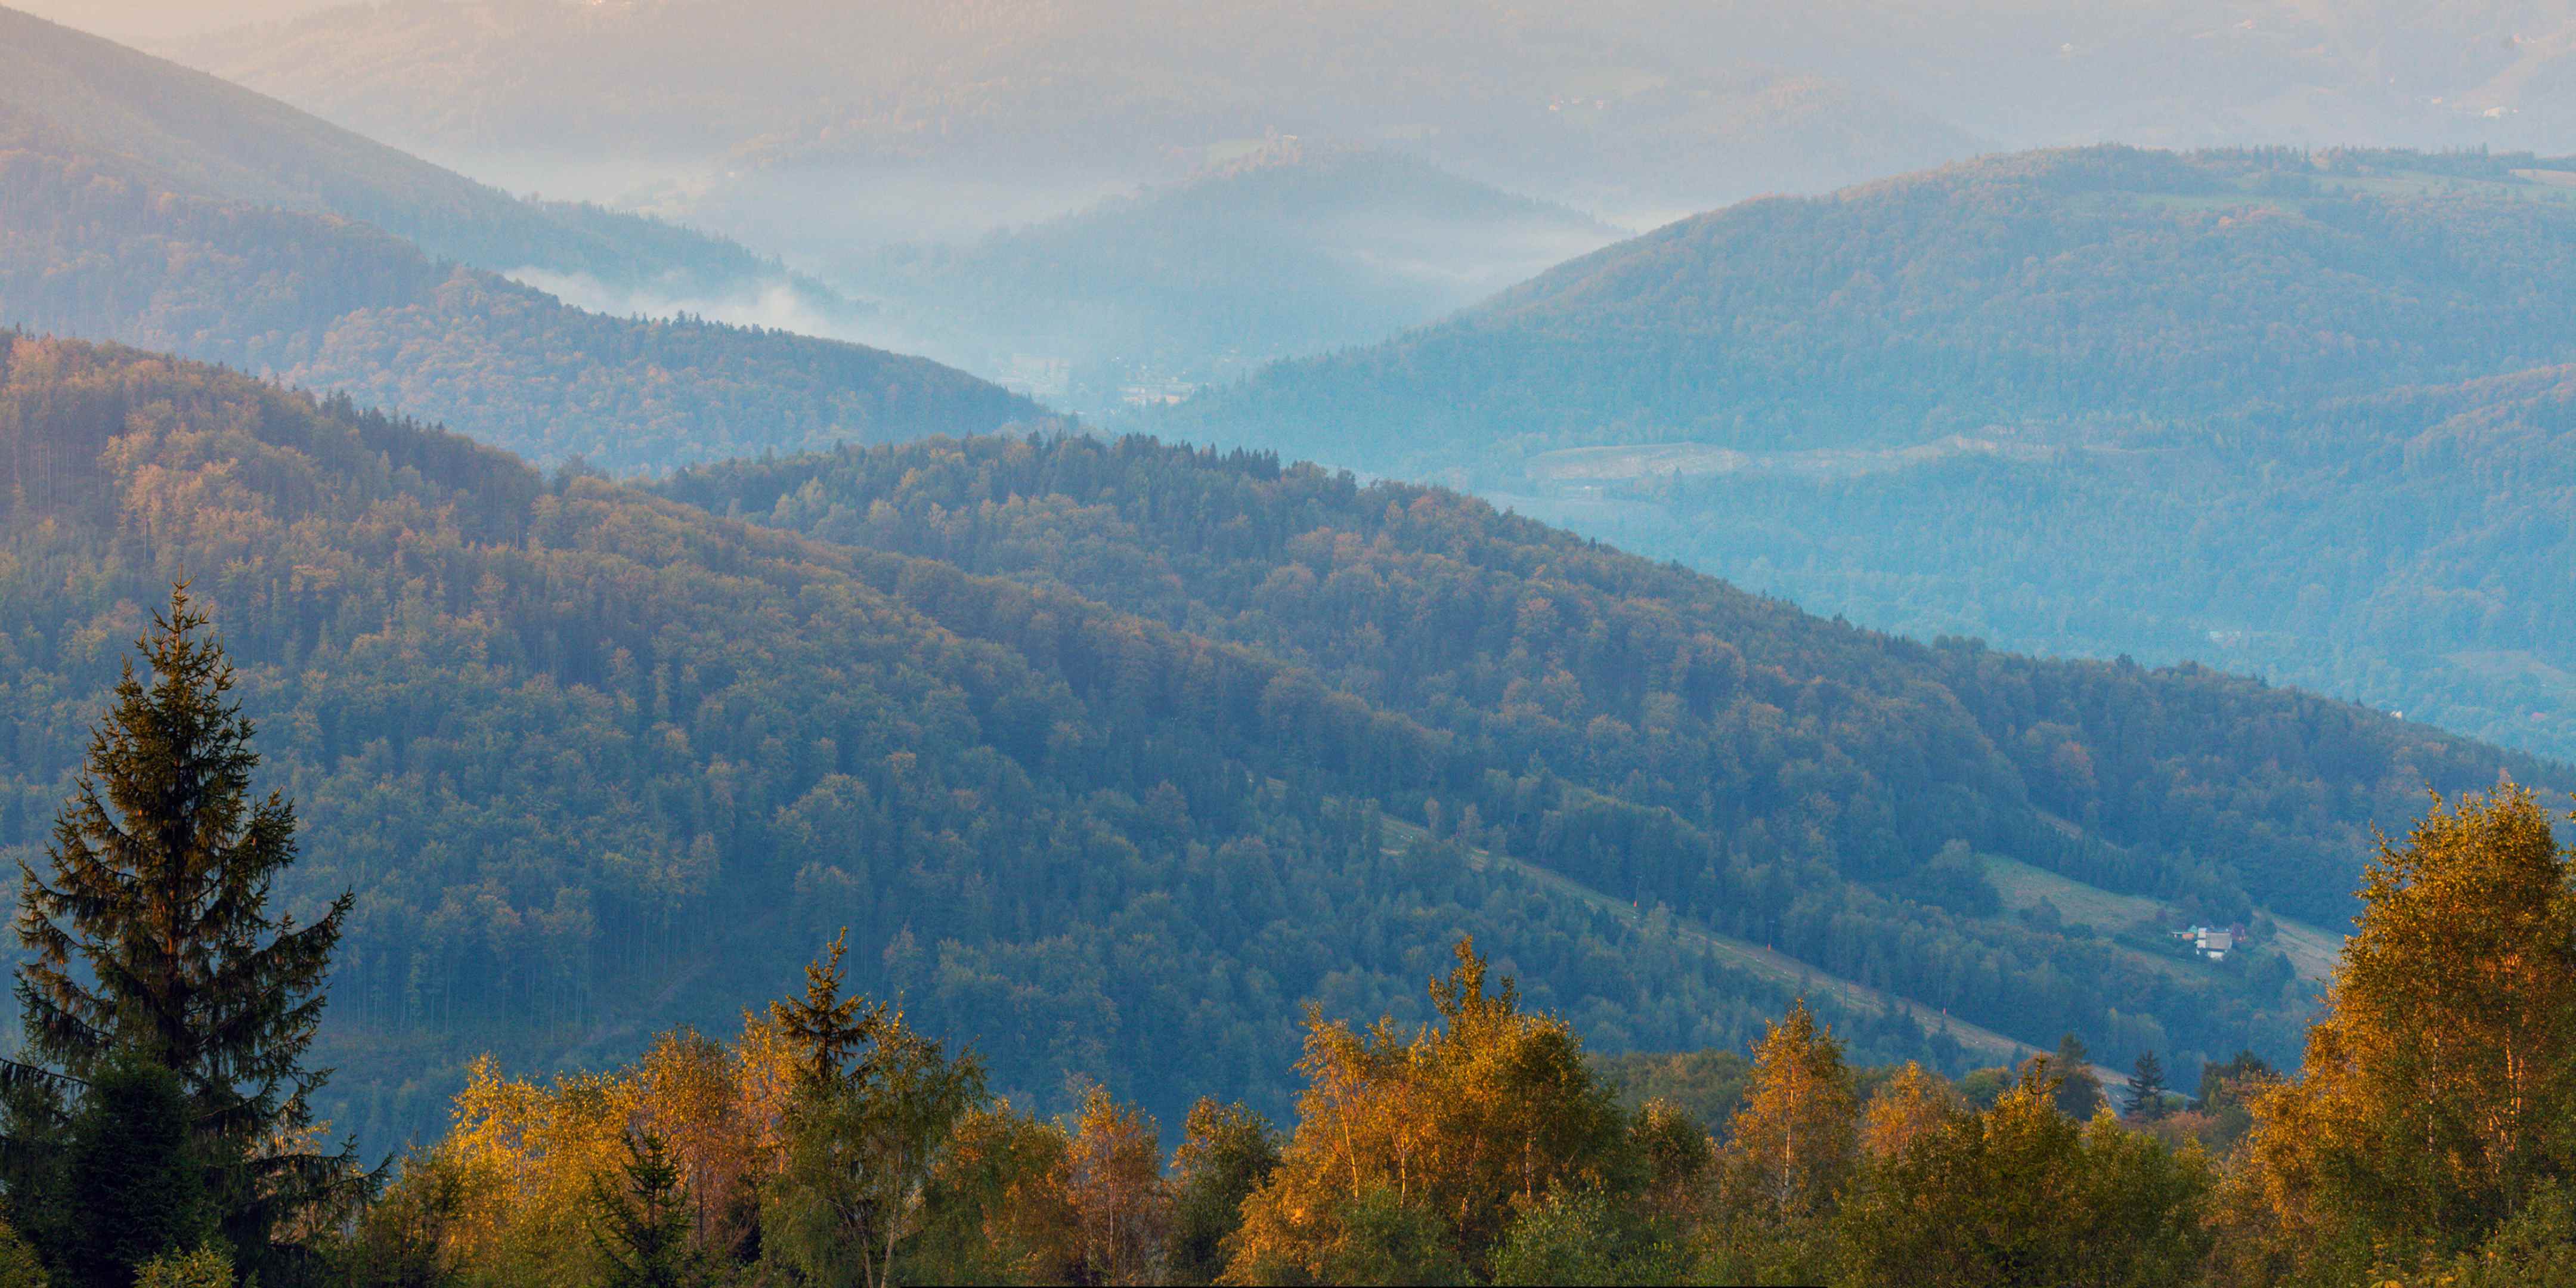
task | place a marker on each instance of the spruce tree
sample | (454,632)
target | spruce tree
(133,1184)
(152,940)
(829,1026)
(2146,1090)
(641,1224)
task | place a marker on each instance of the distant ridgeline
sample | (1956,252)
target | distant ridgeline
(2098,401)
(1295,250)
(1109,755)
(155,206)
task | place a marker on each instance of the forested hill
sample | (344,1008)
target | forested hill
(2101,283)
(1660,736)
(93,246)
(1227,737)
(194,134)
(597,763)
(1654,684)
(2091,402)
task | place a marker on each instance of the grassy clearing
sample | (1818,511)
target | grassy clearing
(2312,950)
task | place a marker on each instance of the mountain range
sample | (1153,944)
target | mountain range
(722,100)
(1628,105)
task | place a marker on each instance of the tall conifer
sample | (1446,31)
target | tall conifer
(2146,1089)
(829,1026)
(152,939)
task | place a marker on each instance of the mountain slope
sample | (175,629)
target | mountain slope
(1510,633)
(2090,402)
(594,759)
(197,135)
(596,763)
(90,247)
(1714,758)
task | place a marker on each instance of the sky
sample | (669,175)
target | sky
(146,20)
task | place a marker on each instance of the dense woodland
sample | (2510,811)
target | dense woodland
(594,761)
(162,1134)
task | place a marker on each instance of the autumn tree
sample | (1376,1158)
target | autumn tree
(1789,1150)
(996,1209)
(2439,1088)
(2022,1194)
(1790,1147)
(1905,1108)
(1114,1178)
(1678,1159)
(1439,1135)
(151,938)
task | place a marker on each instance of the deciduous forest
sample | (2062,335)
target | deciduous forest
(1094,744)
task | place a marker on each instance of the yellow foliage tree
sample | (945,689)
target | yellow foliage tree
(2440,1087)
(515,1174)
(997,1209)
(1444,1133)
(2022,1194)
(1791,1146)
(1907,1106)
(1114,1179)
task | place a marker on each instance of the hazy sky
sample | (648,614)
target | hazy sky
(143,20)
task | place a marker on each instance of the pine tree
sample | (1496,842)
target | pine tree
(641,1224)
(2146,1090)
(152,939)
